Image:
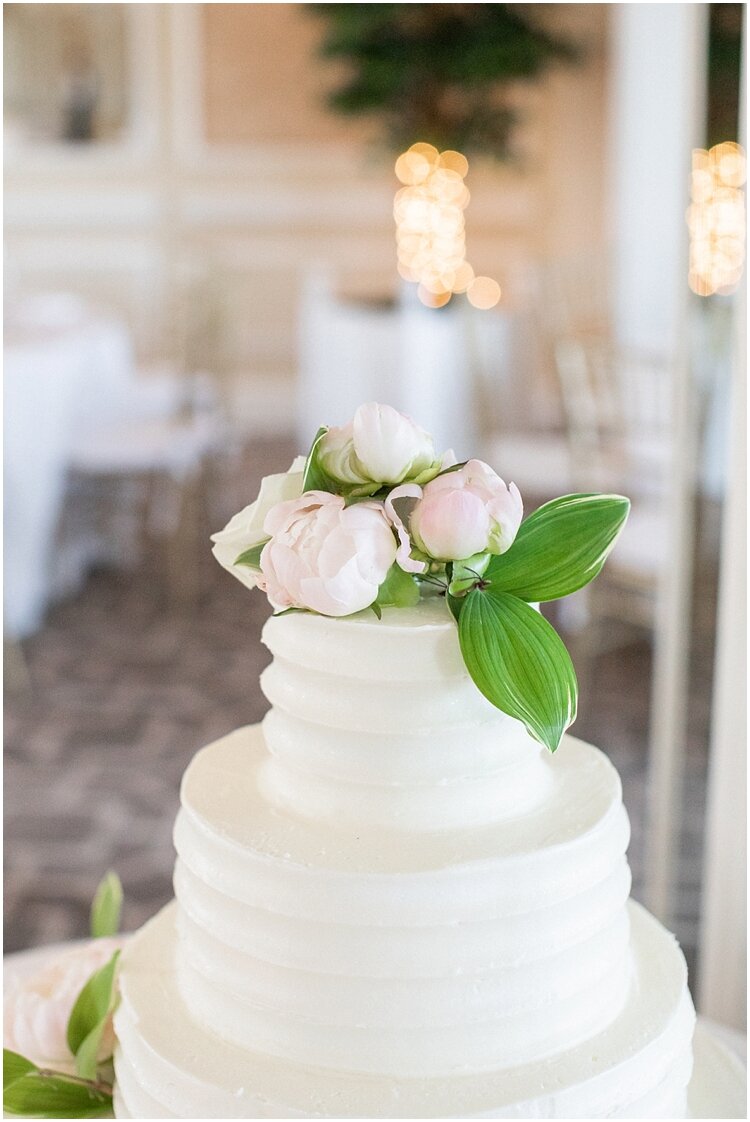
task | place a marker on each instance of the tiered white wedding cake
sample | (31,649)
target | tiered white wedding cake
(392,902)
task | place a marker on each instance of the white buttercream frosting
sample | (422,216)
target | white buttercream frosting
(389,886)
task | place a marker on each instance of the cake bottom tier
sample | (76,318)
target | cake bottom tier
(168,1066)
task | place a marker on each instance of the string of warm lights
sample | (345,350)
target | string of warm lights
(716,219)
(430,228)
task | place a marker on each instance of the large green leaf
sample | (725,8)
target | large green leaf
(519,662)
(14,1066)
(106,907)
(89,1016)
(40,1094)
(560,547)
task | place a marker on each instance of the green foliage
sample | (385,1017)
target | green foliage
(47,1094)
(106,907)
(14,1066)
(314,477)
(437,72)
(251,556)
(519,662)
(89,1017)
(399,589)
(561,547)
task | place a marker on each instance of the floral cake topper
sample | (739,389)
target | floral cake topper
(373,515)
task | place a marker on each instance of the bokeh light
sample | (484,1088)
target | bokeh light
(483,293)
(431,231)
(716,219)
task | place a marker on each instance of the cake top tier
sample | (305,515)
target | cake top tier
(407,644)
(373,518)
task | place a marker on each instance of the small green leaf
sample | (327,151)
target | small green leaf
(398,589)
(375,609)
(41,1094)
(453,467)
(519,662)
(314,477)
(560,547)
(106,907)
(455,604)
(251,556)
(14,1066)
(89,1016)
(466,574)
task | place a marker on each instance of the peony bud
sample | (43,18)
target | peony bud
(465,512)
(379,446)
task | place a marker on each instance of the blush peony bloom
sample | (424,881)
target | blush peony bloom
(459,514)
(246,528)
(324,555)
(36,1012)
(380,445)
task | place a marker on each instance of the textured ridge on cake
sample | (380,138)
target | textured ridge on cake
(389,885)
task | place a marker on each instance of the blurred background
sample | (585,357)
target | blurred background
(226,224)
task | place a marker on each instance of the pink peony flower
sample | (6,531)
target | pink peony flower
(36,1012)
(324,555)
(458,514)
(380,445)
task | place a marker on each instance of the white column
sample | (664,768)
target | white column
(657,118)
(723,941)
(658,74)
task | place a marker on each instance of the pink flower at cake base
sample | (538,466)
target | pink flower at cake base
(36,1012)
(325,556)
(460,514)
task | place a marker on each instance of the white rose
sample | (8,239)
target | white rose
(245,529)
(36,1012)
(380,445)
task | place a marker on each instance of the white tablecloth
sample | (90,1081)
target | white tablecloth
(60,379)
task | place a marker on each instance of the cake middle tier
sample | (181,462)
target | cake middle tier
(377,724)
(401,953)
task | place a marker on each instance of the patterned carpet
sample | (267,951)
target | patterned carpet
(124,688)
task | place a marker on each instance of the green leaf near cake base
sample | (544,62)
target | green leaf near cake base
(14,1066)
(89,1017)
(42,1094)
(560,547)
(519,662)
(106,907)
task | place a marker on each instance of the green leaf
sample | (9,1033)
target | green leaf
(560,547)
(251,556)
(89,1016)
(313,477)
(41,1094)
(375,609)
(106,907)
(519,662)
(398,589)
(455,604)
(466,574)
(14,1066)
